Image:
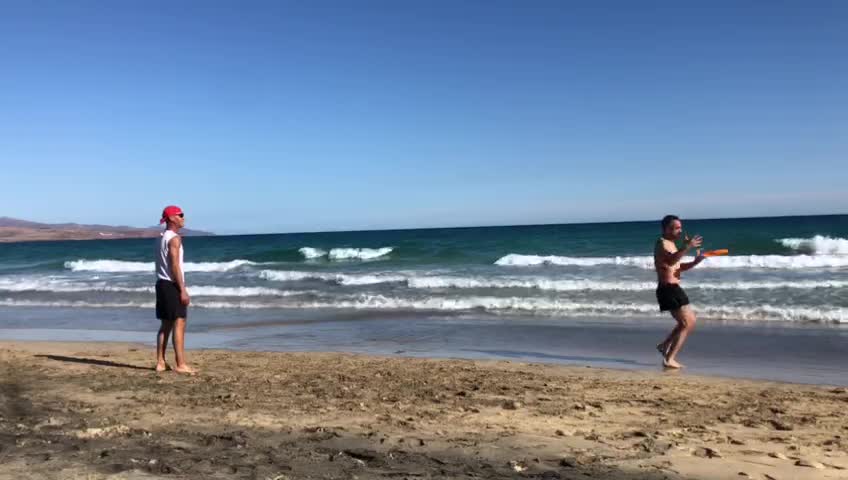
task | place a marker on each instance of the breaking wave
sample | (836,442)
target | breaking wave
(121,266)
(311,253)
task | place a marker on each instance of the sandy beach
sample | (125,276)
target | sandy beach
(98,411)
(423,240)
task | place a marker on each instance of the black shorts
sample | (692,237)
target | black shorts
(168,304)
(671,297)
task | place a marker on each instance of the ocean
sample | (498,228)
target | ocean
(787,272)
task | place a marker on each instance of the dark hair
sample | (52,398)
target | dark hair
(666,221)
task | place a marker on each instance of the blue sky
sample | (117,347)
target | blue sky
(302,116)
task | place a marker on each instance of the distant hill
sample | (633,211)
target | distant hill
(17,230)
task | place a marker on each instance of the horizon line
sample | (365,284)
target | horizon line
(462,227)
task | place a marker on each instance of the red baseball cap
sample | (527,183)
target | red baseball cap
(169,211)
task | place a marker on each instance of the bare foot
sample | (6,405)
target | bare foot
(663,349)
(671,363)
(185,369)
(162,367)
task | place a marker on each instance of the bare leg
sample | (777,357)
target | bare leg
(686,322)
(666,344)
(179,347)
(162,344)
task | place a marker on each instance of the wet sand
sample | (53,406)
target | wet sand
(97,410)
(778,351)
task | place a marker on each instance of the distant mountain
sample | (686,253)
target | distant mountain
(14,222)
(17,230)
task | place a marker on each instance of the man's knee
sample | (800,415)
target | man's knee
(180,325)
(689,320)
(685,318)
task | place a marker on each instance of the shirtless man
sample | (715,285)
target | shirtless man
(670,295)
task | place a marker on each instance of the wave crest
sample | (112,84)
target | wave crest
(517,260)
(338,278)
(529,282)
(122,266)
(53,285)
(546,306)
(536,306)
(549,284)
(777,262)
(311,253)
(817,245)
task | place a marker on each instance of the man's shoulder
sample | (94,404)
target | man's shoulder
(666,245)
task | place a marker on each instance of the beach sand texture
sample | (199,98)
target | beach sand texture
(98,411)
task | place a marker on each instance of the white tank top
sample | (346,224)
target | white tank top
(163,258)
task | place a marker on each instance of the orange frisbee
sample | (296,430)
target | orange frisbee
(715,253)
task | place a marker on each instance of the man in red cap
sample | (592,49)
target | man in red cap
(171,295)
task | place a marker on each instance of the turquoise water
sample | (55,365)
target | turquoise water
(791,269)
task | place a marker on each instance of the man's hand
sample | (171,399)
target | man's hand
(699,257)
(694,242)
(184,298)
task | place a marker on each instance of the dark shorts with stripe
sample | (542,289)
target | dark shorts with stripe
(168,304)
(671,297)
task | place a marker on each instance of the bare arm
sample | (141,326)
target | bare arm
(671,258)
(177,269)
(692,264)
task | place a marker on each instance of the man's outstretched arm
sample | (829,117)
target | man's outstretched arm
(692,264)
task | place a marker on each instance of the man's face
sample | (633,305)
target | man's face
(178,220)
(674,229)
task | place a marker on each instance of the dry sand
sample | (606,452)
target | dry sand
(98,411)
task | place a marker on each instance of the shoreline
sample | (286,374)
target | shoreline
(38,345)
(787,352)
(100,410)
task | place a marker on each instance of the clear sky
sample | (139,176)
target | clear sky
(301,116)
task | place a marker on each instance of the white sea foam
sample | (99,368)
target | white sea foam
(556,306)
(817,245)
(108,266)
(560,307)
(517,260)
(347,279)
(427,281)
(338,278)
(121,266)
(778,262)
(45,284)
(541,306)
(217,266)
(9,302)
(345,253)
(411,280)
(539,283)
(358,253)
(527,304)
(291,276)
(766,285)
(54,285)
(213,291)
(544,283)
(309,252)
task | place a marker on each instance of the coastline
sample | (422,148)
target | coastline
(779,351)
